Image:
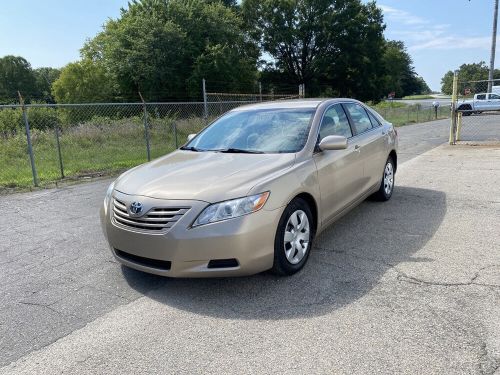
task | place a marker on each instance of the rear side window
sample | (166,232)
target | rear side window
(373,119)
(359,117)
(335,123)
(481,97)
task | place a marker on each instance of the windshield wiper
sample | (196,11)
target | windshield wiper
(232,150)
(191,148)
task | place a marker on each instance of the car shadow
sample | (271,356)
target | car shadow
(348,260)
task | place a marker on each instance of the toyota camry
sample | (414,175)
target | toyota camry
(251,191)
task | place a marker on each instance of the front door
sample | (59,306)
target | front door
(494,102)
(340,172)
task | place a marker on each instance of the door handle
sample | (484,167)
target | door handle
(357,148)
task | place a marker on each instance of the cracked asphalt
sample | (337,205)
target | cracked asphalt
(407,286)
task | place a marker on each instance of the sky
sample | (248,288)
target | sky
(440,35)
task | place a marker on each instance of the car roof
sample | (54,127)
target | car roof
(291,103)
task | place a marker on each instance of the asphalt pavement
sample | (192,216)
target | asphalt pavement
(408,286)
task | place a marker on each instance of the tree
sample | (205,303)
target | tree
(318,42)
(221,63)
(84,82)
(159,47)
(44,78)
(400,75)
(16,75)
(466,73)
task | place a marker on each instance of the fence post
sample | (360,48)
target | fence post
(146,127)
(260,90)
(28,138)
(175,134)
(205,104)
(459,125)
(453,126)
(59,155)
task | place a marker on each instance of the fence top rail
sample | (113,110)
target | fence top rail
(70,105)
(252,95)
(482,81)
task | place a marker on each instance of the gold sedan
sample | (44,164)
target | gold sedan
(251,191)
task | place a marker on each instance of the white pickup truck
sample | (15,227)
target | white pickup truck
(480,103)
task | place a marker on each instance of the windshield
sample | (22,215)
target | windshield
(256,131)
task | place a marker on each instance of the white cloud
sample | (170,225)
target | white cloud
(421,34)
(402,16)
(450,42)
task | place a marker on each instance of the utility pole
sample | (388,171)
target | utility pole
(493,47)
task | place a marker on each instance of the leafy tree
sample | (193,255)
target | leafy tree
(160,47)
(84,82)
(423,86)
(466,73)
(44,78)
(400,75)
(335,42)
(16,74)
(221,63)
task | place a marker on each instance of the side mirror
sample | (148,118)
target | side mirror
(191,136)
(333,142)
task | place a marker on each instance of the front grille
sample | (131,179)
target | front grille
(155,220)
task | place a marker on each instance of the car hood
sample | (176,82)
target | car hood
(206,176)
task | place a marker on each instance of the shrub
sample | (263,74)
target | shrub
(11,121)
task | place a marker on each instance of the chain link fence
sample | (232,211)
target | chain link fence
(412,114)
(44,143)
(41,144)
(476,116)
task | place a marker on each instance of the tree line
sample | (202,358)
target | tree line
(466,74)
(164,48)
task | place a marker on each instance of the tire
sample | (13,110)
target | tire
(294,237)
(467,109)
(386,188)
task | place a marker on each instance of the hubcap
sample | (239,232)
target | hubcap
(388,178)
(297,234)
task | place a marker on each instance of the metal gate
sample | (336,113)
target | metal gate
(475,112)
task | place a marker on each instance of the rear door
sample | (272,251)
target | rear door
(372,139)
(340,172)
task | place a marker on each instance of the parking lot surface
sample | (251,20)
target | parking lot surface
(408,286)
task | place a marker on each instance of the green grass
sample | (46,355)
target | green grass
(416,97)
(409,114)
(102,146)
(88,150)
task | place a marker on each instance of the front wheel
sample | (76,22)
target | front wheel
(293,239)
(386,188)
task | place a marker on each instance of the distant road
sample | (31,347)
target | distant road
(425,102)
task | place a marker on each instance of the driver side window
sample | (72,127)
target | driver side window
(335,122)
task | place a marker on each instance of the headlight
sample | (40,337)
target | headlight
(108,195)
(231,209)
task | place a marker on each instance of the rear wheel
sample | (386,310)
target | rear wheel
(293,239)
(386,188)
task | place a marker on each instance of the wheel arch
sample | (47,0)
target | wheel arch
(309,199)
(394,157)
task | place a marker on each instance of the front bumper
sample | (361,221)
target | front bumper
(182,251)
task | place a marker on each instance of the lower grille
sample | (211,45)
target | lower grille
(147,262)
(155,220)
(223,263)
